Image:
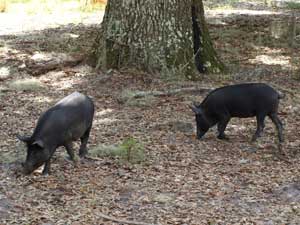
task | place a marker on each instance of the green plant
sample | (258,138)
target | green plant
(172,74)
(292,5)
(29,84)
(130,150)
(133,150)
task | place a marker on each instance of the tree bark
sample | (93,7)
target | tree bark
(168,36)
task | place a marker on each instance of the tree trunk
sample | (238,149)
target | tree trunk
(162,35)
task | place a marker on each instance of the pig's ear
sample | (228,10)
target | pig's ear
(26,139)
(39,143)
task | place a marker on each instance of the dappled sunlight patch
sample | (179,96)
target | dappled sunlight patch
(231,12)
(71,35)
(40,56)
(283,61)
(83,70)
(47,7)
(106,121)
(43,99)
(110,119)
(4,72)
(104,112)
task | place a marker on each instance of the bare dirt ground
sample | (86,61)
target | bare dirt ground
(183,180)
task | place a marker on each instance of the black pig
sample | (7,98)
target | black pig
(241,100)
(68,120)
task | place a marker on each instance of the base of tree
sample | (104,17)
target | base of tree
(156,36)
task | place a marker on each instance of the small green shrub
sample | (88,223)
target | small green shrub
(26,85)
(133,150)
(105,151)
(292,5)
(126,95)
(130,150)
(172,74)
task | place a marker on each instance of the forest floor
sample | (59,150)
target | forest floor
(182,180)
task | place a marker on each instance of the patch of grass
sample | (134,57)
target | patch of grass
(130,151)
(172,74)
(11,157)
(14,156)
(147,101)
(128,97)
(26,85)
(292,5)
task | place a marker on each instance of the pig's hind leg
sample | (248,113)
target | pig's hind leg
(46,169)
(84,139)
(278,124)
(70,150)
(260,126)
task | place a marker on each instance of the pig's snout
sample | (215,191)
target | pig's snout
(27,169)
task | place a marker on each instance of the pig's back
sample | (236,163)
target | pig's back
(243,100)
(67,119)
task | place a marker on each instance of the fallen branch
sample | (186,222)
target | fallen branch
(42,66)
(121,221)
(239,60)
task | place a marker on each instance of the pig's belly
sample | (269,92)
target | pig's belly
(77,131)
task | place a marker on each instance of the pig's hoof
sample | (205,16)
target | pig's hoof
(45,173)
(223,137)
(68,158)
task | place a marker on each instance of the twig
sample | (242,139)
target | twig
(282,158)
(239,60)
(121,221)
(93,158)
(205,162)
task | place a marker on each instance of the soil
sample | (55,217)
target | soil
(182,180)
